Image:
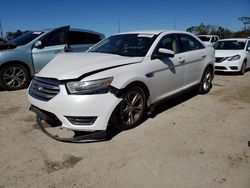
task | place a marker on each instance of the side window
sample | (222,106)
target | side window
(169,42)
(76,37)
(248,45)
(189,43)
(55,38)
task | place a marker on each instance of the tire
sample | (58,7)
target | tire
(14,76)
(130,111)
(206,81)
(243,68)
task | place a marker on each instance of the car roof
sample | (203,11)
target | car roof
(86,30)
(207,35)
(71,29)
(238,39)
(152,32)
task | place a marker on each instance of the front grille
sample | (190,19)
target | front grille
(219,59)
(44,88)
(220,68)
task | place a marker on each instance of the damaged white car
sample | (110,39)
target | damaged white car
(119,79)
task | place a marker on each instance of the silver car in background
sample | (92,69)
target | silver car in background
(28,54)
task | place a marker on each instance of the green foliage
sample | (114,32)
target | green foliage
(222,32)
(9,35)
(245,20)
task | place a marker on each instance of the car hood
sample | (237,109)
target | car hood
(73,65)
(226,53)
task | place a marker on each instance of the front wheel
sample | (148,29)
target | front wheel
(129,113)
(243,68)
(206,81)
(14,77)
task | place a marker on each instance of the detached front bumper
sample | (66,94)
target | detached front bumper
(78,112)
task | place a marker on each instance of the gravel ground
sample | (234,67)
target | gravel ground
(193,141)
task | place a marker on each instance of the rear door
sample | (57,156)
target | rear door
(194,54)
(51,44)
(80,41)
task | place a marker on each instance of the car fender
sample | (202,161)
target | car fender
(17,55)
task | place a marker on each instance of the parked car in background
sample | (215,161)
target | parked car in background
(209,40)
(126,74)
(29,53)
(232,55)
(3,43)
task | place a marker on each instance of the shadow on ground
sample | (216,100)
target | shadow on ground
(111,132)
(231,73)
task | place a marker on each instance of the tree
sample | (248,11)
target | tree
(9,35)
(245,20)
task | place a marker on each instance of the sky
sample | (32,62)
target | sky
(107,16)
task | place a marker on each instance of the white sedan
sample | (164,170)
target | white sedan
(232,55)
(119,79)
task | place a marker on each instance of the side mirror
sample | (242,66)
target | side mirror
(166,52)
(38,45)
(248,49)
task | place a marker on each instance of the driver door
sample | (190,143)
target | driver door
(167,76)
(51,44)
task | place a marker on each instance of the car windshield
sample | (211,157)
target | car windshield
(229,45)
(26,38)
(204,38)
(132,45)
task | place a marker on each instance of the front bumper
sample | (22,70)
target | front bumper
(228,66)
(65,107)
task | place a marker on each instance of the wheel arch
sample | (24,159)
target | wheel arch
(209,66)
(17,62)
(134,84)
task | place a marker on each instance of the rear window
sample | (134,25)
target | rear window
(204,38)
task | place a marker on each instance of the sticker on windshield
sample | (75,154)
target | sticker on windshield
(36,33)
(145,35)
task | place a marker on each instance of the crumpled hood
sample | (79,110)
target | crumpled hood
(73,65)
(226,53)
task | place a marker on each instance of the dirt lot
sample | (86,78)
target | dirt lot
(192,142)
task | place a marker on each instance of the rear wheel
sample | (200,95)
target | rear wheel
(14,76)
(206,81)
(243,68)
(129,113)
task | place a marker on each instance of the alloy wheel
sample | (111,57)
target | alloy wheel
(132,108)
(207,81)
(14,76)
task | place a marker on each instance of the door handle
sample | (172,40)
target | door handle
(203,55)
(181,60)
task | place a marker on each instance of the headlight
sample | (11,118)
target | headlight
(233,58)
(89,87)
